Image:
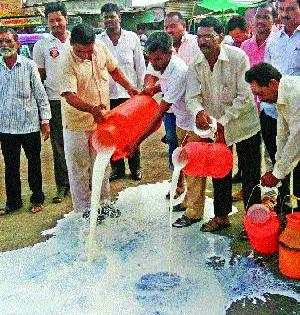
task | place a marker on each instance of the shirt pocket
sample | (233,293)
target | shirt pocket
(228,93)
(295,60)
(126,58)
(22,88)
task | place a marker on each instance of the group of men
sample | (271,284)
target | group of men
(199,76)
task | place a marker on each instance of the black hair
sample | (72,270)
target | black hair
(82,34)
(158,40)
(269,5)
(110,7)
(237,21)
(262,73)
(211,21)
(55,7)
(5,29)
(175,13)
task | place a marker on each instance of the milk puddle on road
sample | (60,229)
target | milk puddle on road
(131,276)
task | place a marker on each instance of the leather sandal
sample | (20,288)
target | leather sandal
(216,224)
(184,221)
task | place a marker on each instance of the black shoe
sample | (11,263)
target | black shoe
(61,194)
(184,221)
(86,216)
(137,175)
(116,175)
(110,210)
(237,178)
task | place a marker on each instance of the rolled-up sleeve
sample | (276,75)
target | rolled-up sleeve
(193,91)
(244,97)
(288,144)
(68,82)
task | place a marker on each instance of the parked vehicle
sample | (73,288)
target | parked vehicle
(27,42)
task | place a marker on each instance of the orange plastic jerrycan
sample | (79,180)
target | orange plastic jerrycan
(262,226)
(123,124)
(207,159)
(289,247)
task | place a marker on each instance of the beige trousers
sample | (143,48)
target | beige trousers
(195,198)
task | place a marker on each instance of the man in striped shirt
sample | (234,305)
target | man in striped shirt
(24,111)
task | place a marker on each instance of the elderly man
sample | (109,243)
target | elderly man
(269,85)
(47,53)
(125,46)
(24,111)
(216,87)
(85,87)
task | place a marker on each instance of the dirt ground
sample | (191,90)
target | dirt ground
(21,228)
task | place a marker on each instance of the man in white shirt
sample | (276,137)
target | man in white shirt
(172,77)
(216,87)
(269,85)
(125,46)
(47,54)
(185,47)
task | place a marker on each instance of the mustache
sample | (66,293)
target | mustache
(204,46)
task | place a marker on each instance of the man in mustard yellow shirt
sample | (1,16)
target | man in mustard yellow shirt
(85,90)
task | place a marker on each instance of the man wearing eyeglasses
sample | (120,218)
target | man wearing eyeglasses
(216,87)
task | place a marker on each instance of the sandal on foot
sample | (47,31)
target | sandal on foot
(184,221)
(36,208)
(215,224)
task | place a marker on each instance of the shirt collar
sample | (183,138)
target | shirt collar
(169,68)
(52,37)
(78,59)
(18,61)
(222,56)
(282,31)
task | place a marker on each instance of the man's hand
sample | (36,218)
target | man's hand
(45,131)
(151,90)
(98,112)
(220,138)
(203,120)
(269,180)
(132,91)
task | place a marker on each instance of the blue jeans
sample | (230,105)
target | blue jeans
(169,120)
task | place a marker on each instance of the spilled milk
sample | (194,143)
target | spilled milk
(100,164)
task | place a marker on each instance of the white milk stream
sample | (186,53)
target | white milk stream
(178,163)
(100,164)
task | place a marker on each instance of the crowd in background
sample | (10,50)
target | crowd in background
(249,81)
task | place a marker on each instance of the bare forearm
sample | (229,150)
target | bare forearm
(120,78)
(75,101)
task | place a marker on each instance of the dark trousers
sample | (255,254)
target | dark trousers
(11,148)
(269,133)
(171,135)
(134,162)
(296,184)
(250,158)
(57,143)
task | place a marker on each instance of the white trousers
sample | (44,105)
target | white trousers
(80,158)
